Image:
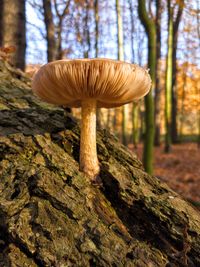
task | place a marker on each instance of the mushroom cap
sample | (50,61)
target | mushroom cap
(112,83)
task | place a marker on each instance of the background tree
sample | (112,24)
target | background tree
(198,87)
(96,14)
(120,56)
(177,14)
(1,22)
(54,30)
(150,29)
(168,82)
(174,18)
(13,29)
(157,114)
(50,30)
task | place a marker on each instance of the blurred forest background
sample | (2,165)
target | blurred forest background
(163,36)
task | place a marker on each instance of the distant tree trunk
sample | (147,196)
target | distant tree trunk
(174,131)
(182,105)
(168,82)
(135,118)
(198,34)
(96,17)
(87,30)
(198,120)
(132,19)
(59,51)
(120,43)
(1,22)
(150,29)
(50,30)
(135,106)
(13,29)
(158,74)
(96,12)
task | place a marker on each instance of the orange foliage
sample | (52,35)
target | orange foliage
(6,52)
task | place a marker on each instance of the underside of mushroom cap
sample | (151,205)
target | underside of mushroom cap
(112,83)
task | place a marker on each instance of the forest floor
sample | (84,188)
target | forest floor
(180,169)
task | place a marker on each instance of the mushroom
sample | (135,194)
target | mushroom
(90,84)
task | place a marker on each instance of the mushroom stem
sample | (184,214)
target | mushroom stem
(88,150)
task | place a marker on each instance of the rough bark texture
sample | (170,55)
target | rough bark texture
(13,23)
(52,216)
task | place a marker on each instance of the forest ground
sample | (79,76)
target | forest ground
(180,169)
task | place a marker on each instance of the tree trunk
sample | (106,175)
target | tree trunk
(198,89)
(96,15)
(59,51)
(87,47)
(1,22)
(150,29)
(52,216)
(120,46)
(13,29)
(183,96)
(168,82)
(158,74)
(174,131)
(135,123)
(50,30)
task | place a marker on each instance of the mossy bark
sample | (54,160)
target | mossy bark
(50,213)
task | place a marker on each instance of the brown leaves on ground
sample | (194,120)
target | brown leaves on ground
(180,169)
(6,52)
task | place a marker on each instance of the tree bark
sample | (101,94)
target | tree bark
(13,29)
(150,29)
(52,216)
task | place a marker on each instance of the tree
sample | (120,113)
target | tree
(168,82)
(158,70)
(120,46)
(198,89)
(96,17)
(1,22)
(86,31)
(13,29)
(176,22)
(96,13)
(50,30)
(171,70)
(54,31)
(150,29)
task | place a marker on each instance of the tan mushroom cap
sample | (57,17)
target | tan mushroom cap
(112,83)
